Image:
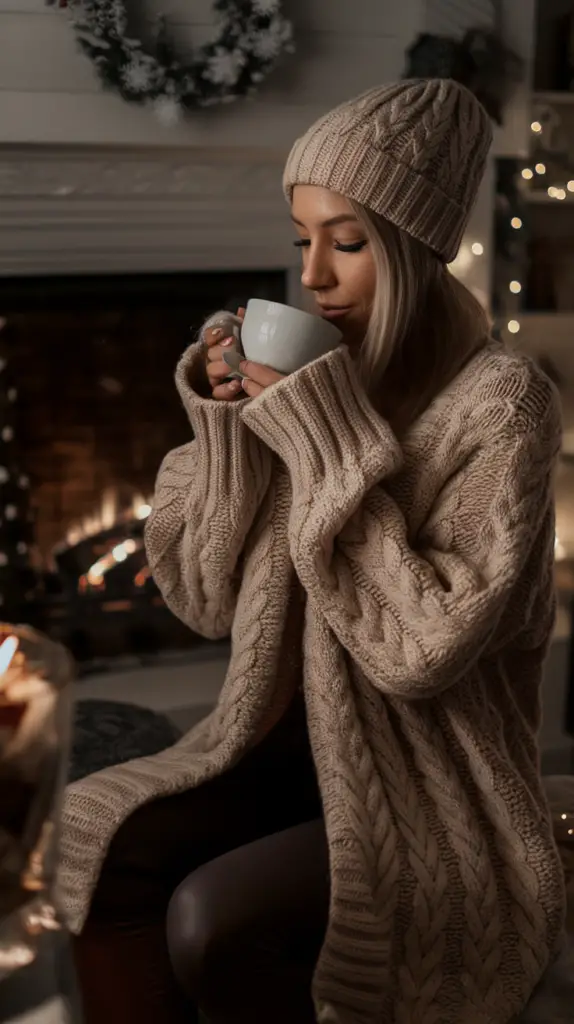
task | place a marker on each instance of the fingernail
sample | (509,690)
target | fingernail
(217,332)
(227,342)
(234,386)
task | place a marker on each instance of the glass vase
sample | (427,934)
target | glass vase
(36,677)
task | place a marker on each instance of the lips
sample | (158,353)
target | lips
(333,312)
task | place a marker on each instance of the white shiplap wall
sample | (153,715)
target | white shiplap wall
(89,183)
(50,94)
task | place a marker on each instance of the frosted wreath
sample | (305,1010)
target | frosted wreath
(249,39)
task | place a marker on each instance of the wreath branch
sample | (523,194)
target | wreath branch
(250,39)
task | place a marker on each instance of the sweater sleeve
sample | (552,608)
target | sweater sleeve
(413,612)
(206,498)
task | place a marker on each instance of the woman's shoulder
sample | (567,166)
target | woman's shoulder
(503,389)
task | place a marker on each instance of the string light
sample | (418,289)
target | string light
(558,193)
(554,192)
(460,266)
(516,222)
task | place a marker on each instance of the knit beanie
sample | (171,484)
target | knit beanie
(414,152)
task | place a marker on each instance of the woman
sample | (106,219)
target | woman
(377,531)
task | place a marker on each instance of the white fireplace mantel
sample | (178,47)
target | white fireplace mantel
(78,210)
(112,210)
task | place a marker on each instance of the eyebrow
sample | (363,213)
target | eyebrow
(343,218)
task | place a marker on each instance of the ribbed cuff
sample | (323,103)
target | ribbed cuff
(320,421)
(211,421)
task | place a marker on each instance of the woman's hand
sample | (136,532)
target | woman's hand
(257,377)
(217,369)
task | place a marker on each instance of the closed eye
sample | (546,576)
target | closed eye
(304,243)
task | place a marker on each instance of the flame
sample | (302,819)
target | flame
(7,651)
(106,517)
(141,507)
(95,574)
(143,576)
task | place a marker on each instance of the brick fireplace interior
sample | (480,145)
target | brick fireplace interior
(93,359)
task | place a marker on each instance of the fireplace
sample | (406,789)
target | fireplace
(93,411)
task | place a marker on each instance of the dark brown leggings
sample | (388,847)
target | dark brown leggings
(216,898)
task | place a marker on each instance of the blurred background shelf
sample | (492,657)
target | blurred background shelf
(537,197)
(553,97)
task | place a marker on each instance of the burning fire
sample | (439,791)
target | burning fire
(143,576)
(95,574)
(107,516)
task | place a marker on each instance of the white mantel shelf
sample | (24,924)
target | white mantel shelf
(126,210)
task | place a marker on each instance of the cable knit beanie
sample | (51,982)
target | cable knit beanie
(414,152)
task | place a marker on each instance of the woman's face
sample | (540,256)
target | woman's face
(338,265)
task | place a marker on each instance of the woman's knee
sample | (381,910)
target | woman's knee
(242,913)
(195,937)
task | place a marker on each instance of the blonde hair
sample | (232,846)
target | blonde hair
(424,324)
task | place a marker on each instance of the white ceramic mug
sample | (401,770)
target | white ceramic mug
(285,338)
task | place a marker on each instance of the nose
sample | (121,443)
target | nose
(317,272)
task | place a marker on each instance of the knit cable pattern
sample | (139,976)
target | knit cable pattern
(414,151)
(426,572)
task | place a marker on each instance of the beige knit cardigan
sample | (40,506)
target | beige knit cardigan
(427,571)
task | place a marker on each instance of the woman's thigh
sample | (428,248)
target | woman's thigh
(247,927)
(124,939)
(168,838)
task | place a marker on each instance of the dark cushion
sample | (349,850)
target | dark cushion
(107,732)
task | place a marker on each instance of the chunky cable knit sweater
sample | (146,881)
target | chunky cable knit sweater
(427,574)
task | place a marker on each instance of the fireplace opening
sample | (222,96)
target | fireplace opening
(89,409)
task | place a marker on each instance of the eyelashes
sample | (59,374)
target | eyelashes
(304,243)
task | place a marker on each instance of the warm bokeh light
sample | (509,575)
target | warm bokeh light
(7,651)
